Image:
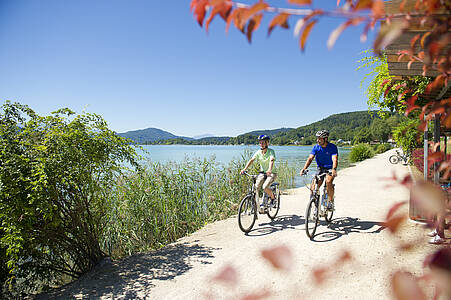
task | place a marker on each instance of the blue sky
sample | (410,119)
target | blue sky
(147,63)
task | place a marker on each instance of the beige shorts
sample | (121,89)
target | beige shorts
(266,183)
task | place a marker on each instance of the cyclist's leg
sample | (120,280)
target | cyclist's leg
(269,179)
(258,184)
(330,187)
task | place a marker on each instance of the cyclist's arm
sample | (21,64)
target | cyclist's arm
(334,165)
(307,163)
(271,164)
(247,165)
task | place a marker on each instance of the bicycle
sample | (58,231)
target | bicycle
(315,209)
(247,212)
(396,158)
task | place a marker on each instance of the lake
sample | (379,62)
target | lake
(295,156)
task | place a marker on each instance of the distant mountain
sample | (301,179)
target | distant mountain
(147,135)
(207,135)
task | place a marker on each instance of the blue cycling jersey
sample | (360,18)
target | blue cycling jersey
(323,156)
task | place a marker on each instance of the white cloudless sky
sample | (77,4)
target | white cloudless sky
(147,63)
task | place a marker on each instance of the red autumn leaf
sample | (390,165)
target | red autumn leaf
(303,2)
(402,5)
(387,34)
(344,257)
(257,296)
(440,259)
(423,38)
(385,82)
(393,223)
(405,287)
(363,4)
(253,25)
(280,257)
(200,9)
(254,9)
(400,96)
(407,181)
(413,41)
(228,275)
(319,275)
(338,3)
(377,9)
(279,20)
(437,83)
(236,16)
(394,208)
(422,126)
(336,33)
(417,5)
(305,34)
(223,8)
(435,157)
(409,64)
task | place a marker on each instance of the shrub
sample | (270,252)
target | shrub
(361,152)
(55,172)
(381,148)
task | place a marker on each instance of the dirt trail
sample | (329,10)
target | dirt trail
(183,270)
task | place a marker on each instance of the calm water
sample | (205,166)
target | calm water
(294,155)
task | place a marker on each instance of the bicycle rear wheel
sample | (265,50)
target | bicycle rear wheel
(247,214)
(394,159)
(274,206)
(311,217)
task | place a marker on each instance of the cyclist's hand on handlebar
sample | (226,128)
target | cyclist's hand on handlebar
(303,172)
(242,172)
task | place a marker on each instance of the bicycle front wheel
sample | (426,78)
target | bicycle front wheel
(311,218)
(328,215)
(394,159)
(274,206)
(247,214)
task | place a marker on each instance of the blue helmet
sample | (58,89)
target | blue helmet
(263,137)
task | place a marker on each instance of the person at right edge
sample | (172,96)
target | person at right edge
(326,156)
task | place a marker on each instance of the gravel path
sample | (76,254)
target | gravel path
(184,270)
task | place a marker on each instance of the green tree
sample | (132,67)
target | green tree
(55,172)
(363,136)
(407,135)
(380,130)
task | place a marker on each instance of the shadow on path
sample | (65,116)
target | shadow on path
(131,278)
(344,226)
(279,223)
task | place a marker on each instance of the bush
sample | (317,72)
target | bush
(381,148)
(55,174)
(361,152)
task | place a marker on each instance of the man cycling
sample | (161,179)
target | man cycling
(266,157)
(326,155)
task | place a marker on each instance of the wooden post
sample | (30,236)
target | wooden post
(425,156)
(437,142)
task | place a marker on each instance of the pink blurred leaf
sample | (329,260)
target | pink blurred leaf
(320,275)
(405,287)
(387,34)
(280,257)
(228,275)
(256,296)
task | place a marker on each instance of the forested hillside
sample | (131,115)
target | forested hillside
(358,126)
(345,126)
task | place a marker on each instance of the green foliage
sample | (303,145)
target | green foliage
(407,136)
(363,136)
(383,92)
(55,174)
(361,152)
(381,148)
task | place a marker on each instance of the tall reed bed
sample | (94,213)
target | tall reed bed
(163,202)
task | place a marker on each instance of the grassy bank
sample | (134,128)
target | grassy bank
(164,202)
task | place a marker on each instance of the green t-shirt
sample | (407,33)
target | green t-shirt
(264,159)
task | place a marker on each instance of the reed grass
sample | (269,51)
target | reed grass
(163,202)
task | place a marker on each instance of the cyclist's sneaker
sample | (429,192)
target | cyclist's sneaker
(330,205)
(262,209)
(272,203)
